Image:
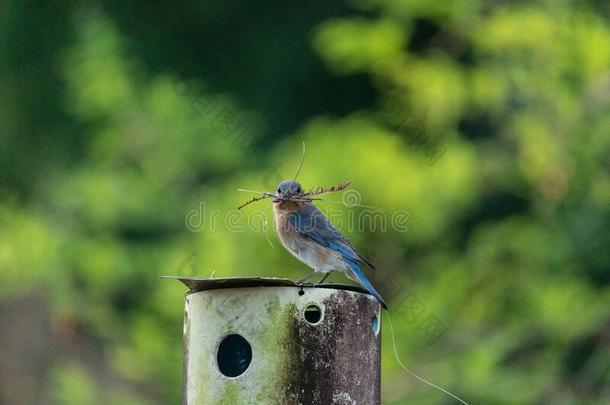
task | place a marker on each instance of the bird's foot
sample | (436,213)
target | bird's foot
(321,280)
(302,281)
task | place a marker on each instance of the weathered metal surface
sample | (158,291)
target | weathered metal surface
(201,284)
(334,361)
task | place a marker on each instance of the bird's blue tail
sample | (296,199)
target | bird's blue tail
(365,282)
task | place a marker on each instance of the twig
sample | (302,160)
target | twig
(302,197)
(254,199)
(323,190)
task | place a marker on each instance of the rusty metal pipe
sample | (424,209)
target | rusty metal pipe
(268,341)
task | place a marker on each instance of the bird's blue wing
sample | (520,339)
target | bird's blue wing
(313,225)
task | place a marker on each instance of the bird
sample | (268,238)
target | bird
(308,235)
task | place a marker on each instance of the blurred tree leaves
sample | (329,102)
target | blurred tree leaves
(119,165)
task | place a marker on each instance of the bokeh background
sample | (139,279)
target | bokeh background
(126,124)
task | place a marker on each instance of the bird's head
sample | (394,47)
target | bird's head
(286,190)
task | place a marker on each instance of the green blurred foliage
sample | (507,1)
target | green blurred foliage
(115,168)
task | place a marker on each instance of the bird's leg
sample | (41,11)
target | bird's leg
(307,277)
(324,277)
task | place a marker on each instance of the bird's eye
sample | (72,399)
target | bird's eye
(298,189)
(279,190)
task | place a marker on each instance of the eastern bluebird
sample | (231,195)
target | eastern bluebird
(310,237)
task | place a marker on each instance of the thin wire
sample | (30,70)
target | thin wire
(267,222)
(412,373)
(267,236)
(300,164)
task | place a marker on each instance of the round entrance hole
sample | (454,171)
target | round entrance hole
(234,355)
(312,314)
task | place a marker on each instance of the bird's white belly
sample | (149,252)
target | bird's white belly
(319,258)
(315,256)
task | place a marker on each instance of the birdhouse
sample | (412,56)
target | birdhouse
(270,341)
